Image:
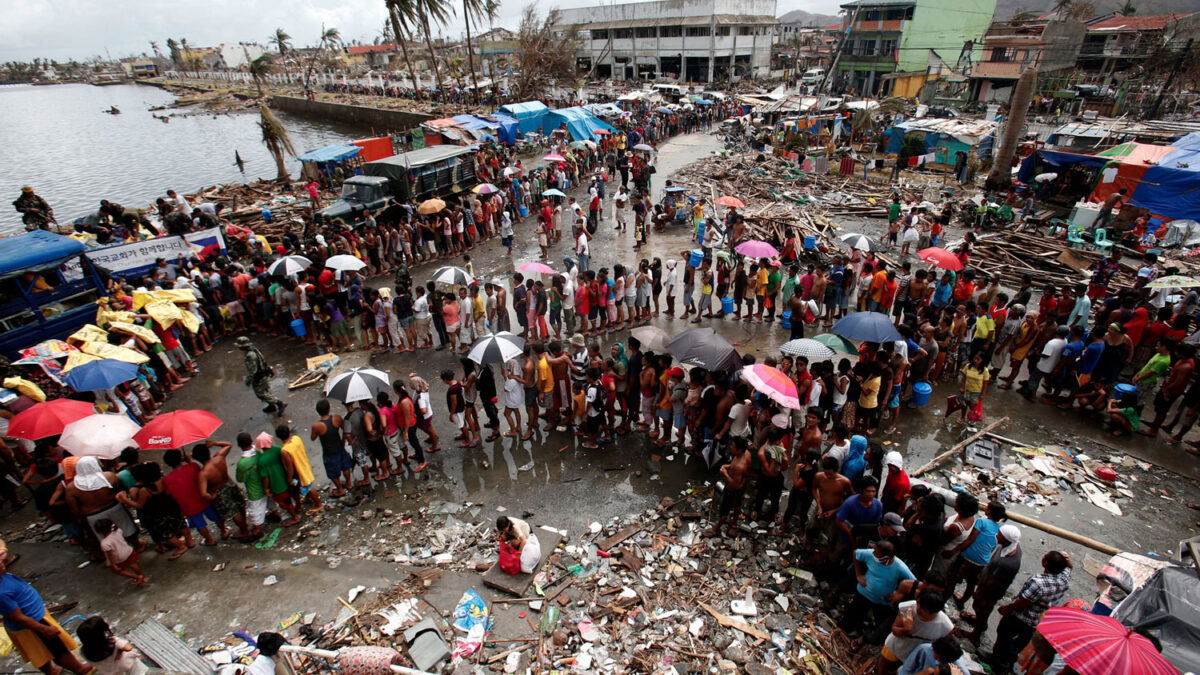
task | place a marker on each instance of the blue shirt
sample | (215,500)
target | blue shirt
(1091,356)
(922,657)
(980,550)
(941,294)
(835,275)
(1072,350)
(882,580)
(853,513)
(16,593)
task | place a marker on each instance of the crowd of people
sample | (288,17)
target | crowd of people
(848,501)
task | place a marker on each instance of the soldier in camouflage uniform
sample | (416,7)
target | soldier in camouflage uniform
(258,376)
(35,212)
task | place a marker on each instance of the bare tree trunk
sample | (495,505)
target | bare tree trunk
(437,71)
(402,38)
(1000,177)
(470,53)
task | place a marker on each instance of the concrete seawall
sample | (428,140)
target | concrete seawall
(378,120)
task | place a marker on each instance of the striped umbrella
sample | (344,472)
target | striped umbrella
(357,384)
(859,241)
(452,276)
(808,348)
(290,266)
(496,348)
(1099,645)
(774,383)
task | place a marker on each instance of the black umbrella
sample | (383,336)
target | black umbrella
(703,347)
(496,348)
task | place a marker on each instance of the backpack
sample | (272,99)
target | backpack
(598,401)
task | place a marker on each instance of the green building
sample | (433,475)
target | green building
(894,46)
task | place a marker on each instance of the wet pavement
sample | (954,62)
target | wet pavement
(550,478)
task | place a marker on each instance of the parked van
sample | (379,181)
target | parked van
(669,91)
(812,76)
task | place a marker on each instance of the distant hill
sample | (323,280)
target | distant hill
(1005,8)
(809,19)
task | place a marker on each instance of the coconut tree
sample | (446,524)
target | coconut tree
(440,11)
(480,11)
(154,49)
(259,69)
(173,48)
(1022,15)
(1000,177)
(275,137)
(282,42)
(1128,9)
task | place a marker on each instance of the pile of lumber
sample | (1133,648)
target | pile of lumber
(1047,260)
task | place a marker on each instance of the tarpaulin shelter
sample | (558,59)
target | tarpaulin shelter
(529,115)
(946,137)
(507,128)
(1127,166)
(438,131)
(482,129)
(581,124)
(323,161)
(1168,607)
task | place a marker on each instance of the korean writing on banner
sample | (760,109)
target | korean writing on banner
(139,255)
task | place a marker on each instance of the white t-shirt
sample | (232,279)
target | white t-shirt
(740,414)
(568,300)
(421,307)
(839,451)
(581,246)
(424,405)
(922,631)
(814,393)
(1051,354)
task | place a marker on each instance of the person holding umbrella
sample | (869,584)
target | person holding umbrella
(258,376)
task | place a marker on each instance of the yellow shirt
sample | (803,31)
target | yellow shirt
(295,448)
(545,376)
(868,398)
(477,307)
(985,325)
(761,289)
(973,379)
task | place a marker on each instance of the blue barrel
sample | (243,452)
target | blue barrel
(921,393)
(266,215)
(298,328)
(787,320)
(1125,388)
(727,305)
(810,242)
(700,231)
(696,257)
(524,211)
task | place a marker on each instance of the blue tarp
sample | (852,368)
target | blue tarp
(529,115)
(331,153)
(581,124)
(1045,161)
(508,128)
(472,122)
(31,249)
(1172,189)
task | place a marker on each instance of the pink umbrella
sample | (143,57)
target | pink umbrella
(734,202)
(756,249)
(554,158)
(1099,645)
(774,383)
(537,268)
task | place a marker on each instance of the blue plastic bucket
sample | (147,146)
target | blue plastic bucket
(921,393)
(298,328)
(696,258)
(700,231)
(266,215)
(524,211)
(727,305)
(810,242)
(1125,388)
(787,319)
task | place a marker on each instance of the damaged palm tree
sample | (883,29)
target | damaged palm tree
(1000,177)
(545,56)
(275,137)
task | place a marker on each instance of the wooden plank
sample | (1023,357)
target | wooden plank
(619,537)
(733,622)
(517,584)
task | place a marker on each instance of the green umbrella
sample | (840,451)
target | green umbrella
(578,145)
(837,343)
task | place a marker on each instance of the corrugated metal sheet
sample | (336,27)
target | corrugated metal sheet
(167,651)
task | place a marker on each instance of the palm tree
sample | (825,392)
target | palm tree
(154,49)
(1128,9)
(480,10)
(187,53)
(1021,14)
(275,137)
(440,11)
(1000,176)
(173,48)
(259,68)
(401,13)
(282,41)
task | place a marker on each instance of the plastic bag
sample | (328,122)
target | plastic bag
(975,414)
(510,559)
(471,611)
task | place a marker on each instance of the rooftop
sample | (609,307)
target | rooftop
(1119,23)
(879,3)
(367,49)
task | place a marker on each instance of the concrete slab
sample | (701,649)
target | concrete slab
(517,584)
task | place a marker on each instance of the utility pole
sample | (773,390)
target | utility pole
(825,82)
(1170,78)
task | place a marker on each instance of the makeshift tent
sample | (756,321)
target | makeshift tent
(323,161)
(1127,168)
(581,124)
(1168,607)
(482,129)
(508,128)
(604,109)
(375,148)
(946,137)
(529,115)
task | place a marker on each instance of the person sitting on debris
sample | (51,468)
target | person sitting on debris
(516,533)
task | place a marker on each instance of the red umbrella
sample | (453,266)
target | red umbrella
(940,257)
(726,200)
(1099,645)
(176,429)
(48,418)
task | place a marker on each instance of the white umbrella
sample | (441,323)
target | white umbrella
(102,436)
(496,348)
(808,348)
(653,338)
(357,384)
(859,241)
(511,171)
(289,265)
(453,276)
(345,263)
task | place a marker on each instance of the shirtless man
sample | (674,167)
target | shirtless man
(820,281)
(918,290)
(529,368)
(734,473)
(958,338)
(91,500)
(501,321)
(830,490)
(812,435)
(217,487)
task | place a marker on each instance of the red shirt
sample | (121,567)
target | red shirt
(1153,333)
(183,484)
(168,339)
(889,294)
(964,290)
(326,283)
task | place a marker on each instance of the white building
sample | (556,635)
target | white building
(237,55)
(685,40)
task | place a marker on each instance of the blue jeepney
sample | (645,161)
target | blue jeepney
(48,289)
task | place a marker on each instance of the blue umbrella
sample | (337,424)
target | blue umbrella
(102,374)
(866,326)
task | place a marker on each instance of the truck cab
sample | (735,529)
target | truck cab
(359,194)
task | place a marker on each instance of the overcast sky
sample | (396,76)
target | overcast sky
(80,29)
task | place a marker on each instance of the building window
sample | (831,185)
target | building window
(622,33)
(698,31)
(723,31)
(870,15)
(1001,55)
(670,31)
(646,32)
(745,30)
(894,14)
(601,34)
(908,15)
(887,47)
